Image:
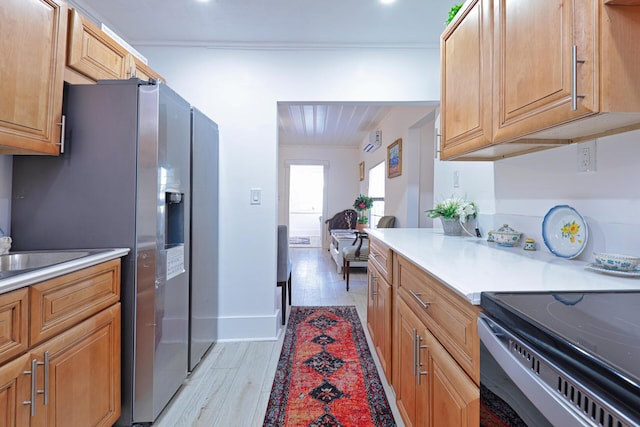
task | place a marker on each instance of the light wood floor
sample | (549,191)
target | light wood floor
(231,385)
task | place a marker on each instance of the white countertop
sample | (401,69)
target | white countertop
(471,265)
(40,274)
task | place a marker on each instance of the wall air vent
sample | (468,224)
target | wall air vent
(375,141)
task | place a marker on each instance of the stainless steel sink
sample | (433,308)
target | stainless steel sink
(20,261)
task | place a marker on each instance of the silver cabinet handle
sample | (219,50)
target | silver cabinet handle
(373,278)
(415,352)
(46,377)
(420,372)
(424,304)
(32,372)
(574,77)
(62,125)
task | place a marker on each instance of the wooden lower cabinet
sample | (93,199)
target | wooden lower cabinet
(67,374)
(410,381)
(379,317)
(431,388)
(82,366)
(82,384)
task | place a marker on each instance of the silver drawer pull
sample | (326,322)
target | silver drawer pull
(424,304)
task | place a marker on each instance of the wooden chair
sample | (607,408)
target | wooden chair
(358,251)
(284,268)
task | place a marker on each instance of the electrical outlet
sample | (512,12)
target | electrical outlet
(456,179)
(587,156)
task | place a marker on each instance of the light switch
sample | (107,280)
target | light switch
(256,196)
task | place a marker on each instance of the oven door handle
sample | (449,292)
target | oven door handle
(548,401)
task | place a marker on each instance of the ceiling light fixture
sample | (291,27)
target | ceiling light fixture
(387,1)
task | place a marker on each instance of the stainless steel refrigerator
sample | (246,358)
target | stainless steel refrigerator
(123,181)
(203,289)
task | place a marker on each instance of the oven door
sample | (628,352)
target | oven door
(512,392)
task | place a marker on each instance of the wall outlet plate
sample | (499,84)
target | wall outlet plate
(586,156)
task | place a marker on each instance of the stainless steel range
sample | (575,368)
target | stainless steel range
(561,358)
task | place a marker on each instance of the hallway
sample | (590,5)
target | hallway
(232,384)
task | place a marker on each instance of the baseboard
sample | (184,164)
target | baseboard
(250,328)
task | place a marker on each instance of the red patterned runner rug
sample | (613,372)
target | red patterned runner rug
(326,375)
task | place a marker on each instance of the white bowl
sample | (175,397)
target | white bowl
(616,261)
(506,236)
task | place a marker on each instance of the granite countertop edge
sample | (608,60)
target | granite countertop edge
(38,275)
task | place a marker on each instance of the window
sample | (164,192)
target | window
(376,192)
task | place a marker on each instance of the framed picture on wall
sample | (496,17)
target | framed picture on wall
(394,159)
(361,171)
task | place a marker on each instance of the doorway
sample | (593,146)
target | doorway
(306,204)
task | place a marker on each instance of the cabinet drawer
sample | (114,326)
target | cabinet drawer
(380,256)
(449,317)
(14,317)
(64,301)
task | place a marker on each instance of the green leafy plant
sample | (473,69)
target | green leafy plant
(454,208)
(453,11)
(362,204)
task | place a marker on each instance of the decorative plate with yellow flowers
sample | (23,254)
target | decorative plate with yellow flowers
(564,231)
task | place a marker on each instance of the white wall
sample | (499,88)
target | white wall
(239,89)
(519,191)
(402,195)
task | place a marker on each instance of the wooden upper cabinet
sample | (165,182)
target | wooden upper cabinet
(539,83)
(93,53)
(466,107)
(562,71)
(142,71)
(32,47)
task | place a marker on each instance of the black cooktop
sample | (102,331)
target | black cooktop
(595,335)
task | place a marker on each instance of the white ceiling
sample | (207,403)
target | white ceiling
(283,24)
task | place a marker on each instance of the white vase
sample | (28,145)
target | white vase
(451,227)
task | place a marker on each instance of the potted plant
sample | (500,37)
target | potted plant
(362,204)
(453,212)
(453,12)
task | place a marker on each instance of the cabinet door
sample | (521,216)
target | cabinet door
(410,385)
(93,53)
(453,398)
(466,91)
(383,323)
(534,69)
(15,393)
(83,366)
(32,48)
(371,302)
